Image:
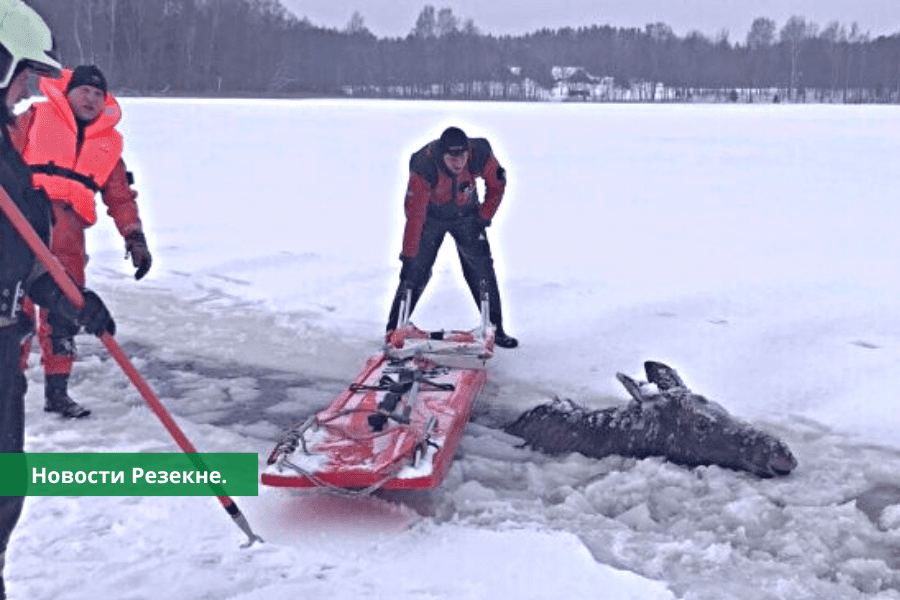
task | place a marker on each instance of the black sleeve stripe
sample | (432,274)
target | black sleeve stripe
(422,163)
(481,151)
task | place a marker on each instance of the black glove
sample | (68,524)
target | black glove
(94,316)
(136,246)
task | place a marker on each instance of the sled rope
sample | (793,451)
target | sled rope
(294,438)
(288,442)
(389,473)
(338,490)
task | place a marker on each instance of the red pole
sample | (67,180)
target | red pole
(62,279)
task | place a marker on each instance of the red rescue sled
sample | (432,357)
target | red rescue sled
(397,426)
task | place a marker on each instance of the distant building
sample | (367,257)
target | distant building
(575,83)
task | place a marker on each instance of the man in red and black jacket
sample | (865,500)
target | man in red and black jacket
(442,198)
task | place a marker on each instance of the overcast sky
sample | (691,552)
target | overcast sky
(395,18)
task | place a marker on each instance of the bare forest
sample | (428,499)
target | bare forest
(258,47)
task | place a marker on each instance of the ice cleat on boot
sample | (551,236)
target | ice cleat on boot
(58,400)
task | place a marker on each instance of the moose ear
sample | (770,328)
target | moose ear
(633,387)
(664,376)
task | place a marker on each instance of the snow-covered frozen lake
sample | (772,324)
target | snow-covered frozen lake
(754,248)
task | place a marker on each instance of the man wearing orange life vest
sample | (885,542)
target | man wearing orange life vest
(74,151)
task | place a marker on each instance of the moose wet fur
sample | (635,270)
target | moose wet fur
(664,419)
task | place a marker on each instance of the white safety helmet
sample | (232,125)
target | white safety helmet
(25,37)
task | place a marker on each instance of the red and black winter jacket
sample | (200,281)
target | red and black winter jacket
(434,192)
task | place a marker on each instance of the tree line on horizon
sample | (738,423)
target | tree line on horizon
(233,47)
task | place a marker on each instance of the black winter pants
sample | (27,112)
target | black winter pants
(474,256)
(12,423)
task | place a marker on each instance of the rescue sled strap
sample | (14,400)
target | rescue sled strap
(406,378)
(441,387)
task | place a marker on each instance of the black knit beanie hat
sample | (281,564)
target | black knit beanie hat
(454,141)
(87,75)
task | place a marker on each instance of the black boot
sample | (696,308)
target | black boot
(58,401)
(503,340)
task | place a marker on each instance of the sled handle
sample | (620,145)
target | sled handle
(405,306)
(485,310)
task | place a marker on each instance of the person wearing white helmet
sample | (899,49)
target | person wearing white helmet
(26,47)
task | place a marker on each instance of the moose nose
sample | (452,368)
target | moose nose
(782,463)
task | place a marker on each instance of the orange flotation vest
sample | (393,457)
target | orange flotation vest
(69,174)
